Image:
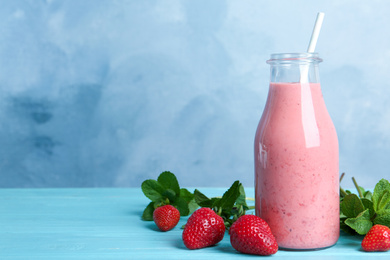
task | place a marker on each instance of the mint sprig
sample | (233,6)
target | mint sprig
(166,191)
(359,212)
(230,206)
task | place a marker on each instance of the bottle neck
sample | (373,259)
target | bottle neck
(294,67)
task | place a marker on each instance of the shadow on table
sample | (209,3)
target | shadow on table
(353,241)
(179,244)
(228,249)
(152,226)
(222,247)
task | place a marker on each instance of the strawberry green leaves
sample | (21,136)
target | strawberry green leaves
(166,191)
(359,213)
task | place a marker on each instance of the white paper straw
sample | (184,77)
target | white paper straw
(310,127)
(312,45)
(316,32)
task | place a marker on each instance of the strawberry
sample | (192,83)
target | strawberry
(203,228)
(377,239)
(166,217)
(252,235)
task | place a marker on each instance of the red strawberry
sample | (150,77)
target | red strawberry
(252,235)
(166,217)
(377,239)
(204,228)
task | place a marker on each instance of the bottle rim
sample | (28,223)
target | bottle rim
(294,58)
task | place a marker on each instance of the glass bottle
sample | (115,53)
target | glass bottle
(297,157)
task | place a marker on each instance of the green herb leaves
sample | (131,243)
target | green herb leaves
(230,206)
(164,191)
(361,223)
(381,196)
(359,213)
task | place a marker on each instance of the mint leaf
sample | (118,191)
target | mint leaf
(166,191)
(376,207)
(368,205)
(153,190)
(229,197)
(190,198)
(182,205)
(148,212)
(241,200)
(347,229)
(384,201)
(202,200)
(379,198)
(351,206)
(214,202)
(367,195)
(185,194)
(170,195)
(383,212)
(192,206)
(230,206)
(361,224)
(383,217)
(168,181)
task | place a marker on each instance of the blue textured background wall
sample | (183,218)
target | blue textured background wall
(109,93)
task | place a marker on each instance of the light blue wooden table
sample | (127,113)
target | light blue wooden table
(106,224)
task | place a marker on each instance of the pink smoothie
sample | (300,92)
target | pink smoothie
(297,167)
